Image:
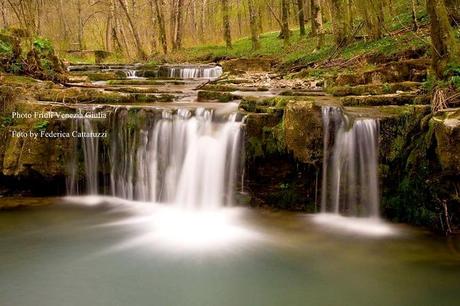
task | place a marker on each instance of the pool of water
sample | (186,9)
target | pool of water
(103,251)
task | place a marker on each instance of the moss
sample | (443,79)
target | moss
(220,87)
(205,95)
(303,131)
(378,100)
(373,89)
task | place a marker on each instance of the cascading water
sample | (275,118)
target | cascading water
(350,180)
(130,74)
(185,158)
(191,72)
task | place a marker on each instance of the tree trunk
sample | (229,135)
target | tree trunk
(115,40)
(444,44)
(3,12)
(301,16)
(414,16)
(177,45)
(80,33)
(253,25)
(139,51)
(63,21)
(339,24)
(317,23)
(226,24)
(284,34)
(316,17)
(159,4)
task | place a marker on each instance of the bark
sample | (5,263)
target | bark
(445,47)
(81,44)
(414,16)
(63,20)
(253,25)
(226,24)
(317,23)
(139,51)
(177,44)
(284,34)
(301,16)
(115,40)
(3,12)
(316,17)
(339,24)
(159,4)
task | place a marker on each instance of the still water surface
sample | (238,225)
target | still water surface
(110,252)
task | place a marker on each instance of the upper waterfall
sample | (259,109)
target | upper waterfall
(190,72)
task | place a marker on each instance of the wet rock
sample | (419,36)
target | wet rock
(389,99)
(373,89)
(206,95)
(447,133)
(303,131)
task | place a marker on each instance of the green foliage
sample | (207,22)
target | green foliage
(5,47)
(6,121)
(43,45)
(41,125)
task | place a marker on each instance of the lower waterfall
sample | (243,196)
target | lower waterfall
(189,158)
(350,181)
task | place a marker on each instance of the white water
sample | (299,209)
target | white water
(197,72)
(131,74)
(350,181)
(190,160)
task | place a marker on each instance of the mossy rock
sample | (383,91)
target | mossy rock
(85,95)
(390,99)
(373,89)
(206,95)
(447,133)
(217,87)
(303,128)
(102,76)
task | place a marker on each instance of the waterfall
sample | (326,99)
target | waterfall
(187,158)
(90,148)
(350,180)
(130,74)
(191,72)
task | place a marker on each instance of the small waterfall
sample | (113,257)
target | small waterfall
(191,72)
(350,180)
(131,74)
(90,148)
(187,158)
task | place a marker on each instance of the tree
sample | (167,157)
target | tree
(414,16)
(301,16)
(285,33)
(159,4)
(445,48)
(339,23)
(137,40)
(317,22)
(226,23)
(177,36)
(253,25)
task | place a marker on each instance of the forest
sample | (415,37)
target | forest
(230,152)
